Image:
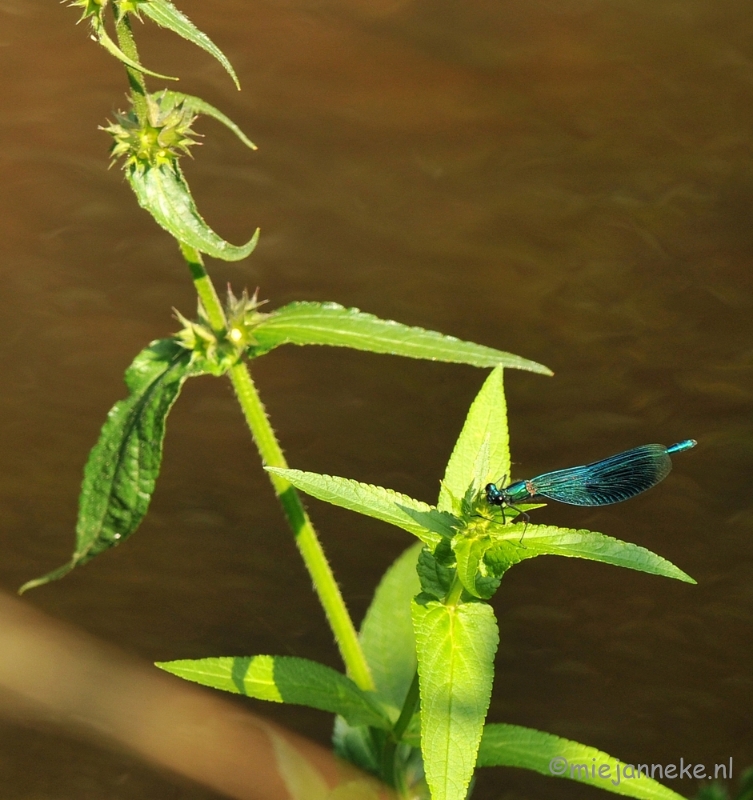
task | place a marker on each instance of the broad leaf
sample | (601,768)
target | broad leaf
(436,570)
(387,630)
(123,466)
(198,106)
(283,679)
(471,569)
(456,647)
(420,519)
(518,542)
(515,746)
(484,431)
(332,324)
(390,648)
(164,193)
(167,15)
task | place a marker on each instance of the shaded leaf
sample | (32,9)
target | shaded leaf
(167,15)
(283,679)
(436,569)
(164,193)
(332,324)
(456,647)
(515,746)
(420,519)
(123,466)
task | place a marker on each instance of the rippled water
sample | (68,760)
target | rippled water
(571,181)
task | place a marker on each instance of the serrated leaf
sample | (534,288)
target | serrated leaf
(387,630)
(515,746)
(167,15)
(284,679)
(456,647)
(198,106)
(164,193)
(484,430)
(103,38)
(123,466)
(420,519)
(540,540)
(471,570)
(332,324)
(436,570)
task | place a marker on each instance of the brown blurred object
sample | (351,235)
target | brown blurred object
(52,672)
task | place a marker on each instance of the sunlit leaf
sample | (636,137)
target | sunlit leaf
(332,324)
(515,746)
(420,519)
(518,542)
(283,679)
(164,193)
(196,105)
(456,647)
(103,38)
(484,431)
(167,15)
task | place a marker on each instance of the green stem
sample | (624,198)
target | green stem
(456,590)
(127,44)
(410,705)
(305,536)
(389,769)
(271,453)
(204,288)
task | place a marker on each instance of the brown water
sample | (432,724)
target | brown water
(571,181)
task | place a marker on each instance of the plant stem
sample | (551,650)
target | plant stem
(135,78)
(410,705)
(456,590)
(271,454)
(389,771)
(305,536)
(204,288)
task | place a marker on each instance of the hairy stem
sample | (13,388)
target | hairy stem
(305,536)
(271,454)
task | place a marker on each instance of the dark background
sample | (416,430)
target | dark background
(570,181)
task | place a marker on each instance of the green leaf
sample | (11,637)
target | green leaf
(332,324)
(484,432)
(123,466)
(420,519)
(387,630)
(456,647)
(283,679)
(471,569)
(196,105)
(390,648)
(103,38)
(436,570)
(167,15)
(164,193)
(515,746)
(549,540)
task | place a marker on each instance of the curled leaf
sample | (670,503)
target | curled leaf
(163,192)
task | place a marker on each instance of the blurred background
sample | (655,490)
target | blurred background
(571,181)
